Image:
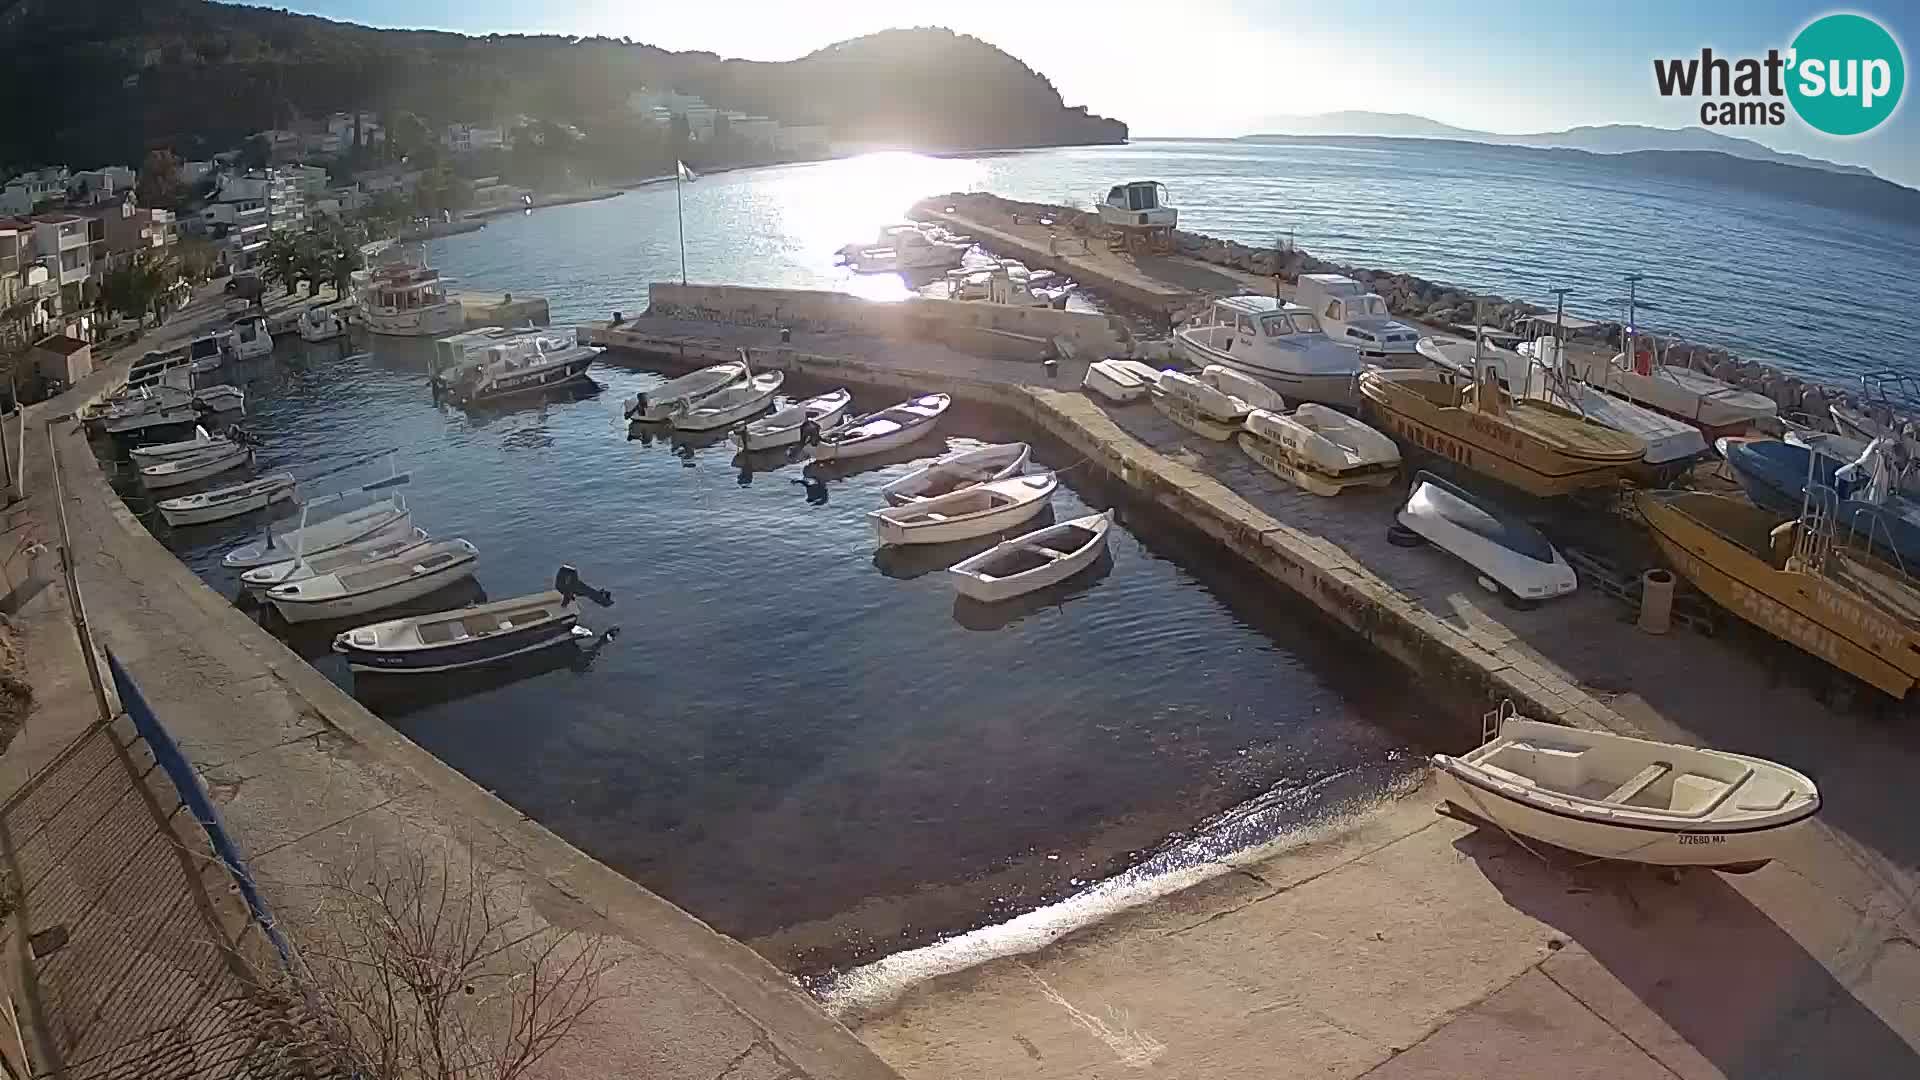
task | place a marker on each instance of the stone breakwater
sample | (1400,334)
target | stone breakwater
(1418,299)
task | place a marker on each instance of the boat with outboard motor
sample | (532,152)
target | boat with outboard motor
(879,432)
(960,469)
(789,426)
(474,635)
(730,406)
(657,406)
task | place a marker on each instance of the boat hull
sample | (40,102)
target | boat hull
(1485,446)
(968,528)
(879,444)
(283,548)
(1116,384)
(545,377)
(991,462)
(203,515)
(436,321)
(750,440)
(1183,412)
(469,654)
(1282,462)
(194,471)
(990,590)
(399,592)
(1327,388)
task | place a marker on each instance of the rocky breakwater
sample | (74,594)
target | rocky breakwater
(1442,306)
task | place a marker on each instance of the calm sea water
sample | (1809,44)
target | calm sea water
(1821,292)
(806,741)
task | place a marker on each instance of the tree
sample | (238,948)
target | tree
(136,287)
(159,183)
(283,260)
(197,260)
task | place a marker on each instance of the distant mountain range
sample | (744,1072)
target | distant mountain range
(1602,139)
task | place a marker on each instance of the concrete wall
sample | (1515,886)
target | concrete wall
(918,319)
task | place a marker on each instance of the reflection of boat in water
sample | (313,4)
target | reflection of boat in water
(399,697)
(1789,578)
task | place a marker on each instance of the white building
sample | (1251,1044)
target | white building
(467,138)
(64,247)
(28,190)
(110,184)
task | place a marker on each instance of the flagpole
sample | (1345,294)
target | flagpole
(680,215)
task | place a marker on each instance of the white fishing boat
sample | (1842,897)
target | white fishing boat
(1511,556)
(520,363)
(386,544)
(227,502)
(250,338)
(372,586)
(1319,449)
(1256,394)
(190,468)
(658,404)
(1199,407)
(404,297)
(316,536)
(201,441)
(967,513)
(906,247)
(1120,381)
(1138,203)
(224,397)
(731,405)
(1280,344)
(1040,558)
(961,469)
(317,324)
(1355,317)
(208,351)
(1614,797)
(787,426)
(888,429)
(474,635)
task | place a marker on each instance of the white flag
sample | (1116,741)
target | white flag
(686,174)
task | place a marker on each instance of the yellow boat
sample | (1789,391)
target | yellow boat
(1539,448)
(1789,579)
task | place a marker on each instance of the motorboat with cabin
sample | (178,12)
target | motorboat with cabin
(1353,316)
(1518,561)
(1634,800)
(879,432)
(210,350)
(960,469)
(1319,449)
(1120,381)
(1033,561)
(475,635)
(1139,204)
(317,324)
(1278,343)
(404,297)
(790,425)
(970,512)
(906,248)
(525,362)
(251,341)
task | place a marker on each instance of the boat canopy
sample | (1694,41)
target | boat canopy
(1138,195)
(1273,318)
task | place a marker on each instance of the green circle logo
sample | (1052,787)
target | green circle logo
(1847,74)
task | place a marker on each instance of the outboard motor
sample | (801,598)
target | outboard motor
(809,432)
(639,407)
(567,583)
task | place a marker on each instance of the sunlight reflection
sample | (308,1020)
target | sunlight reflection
(851,200)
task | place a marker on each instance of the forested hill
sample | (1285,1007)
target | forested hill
(102,80)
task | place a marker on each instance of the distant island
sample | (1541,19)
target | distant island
(1601,139)
(200,77)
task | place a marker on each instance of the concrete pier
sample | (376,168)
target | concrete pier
(502,309)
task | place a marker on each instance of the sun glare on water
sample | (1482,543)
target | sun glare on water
(851,200)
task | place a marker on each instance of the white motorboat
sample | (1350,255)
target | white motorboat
(146,422)
(907,247)
(1614,797)
(1359,319)
(731,405)
(1005,282)
(521,363)
(201,441)
(967,513)
(1510,554)
(787,426)
(1138,203)
(149,369)
(1198,407)
(888,429)
(190,468)
(314,537)
(961,469)
(1717,408)
(1120,381)
(1256,394)
(208,351)
(1025,563)
(372,586)
(317,324)
(404,297)
(250,338)
(658,404)
(1282,345)
(225,397)
(385,544)
(228,502)
(1319,449)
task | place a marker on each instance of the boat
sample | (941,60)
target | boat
(201,441)
(967,513)
(1280,344)
(1005,281)
(317,324)
(150,422)
(1198,407)
(1026,563)
(149,368)
(1256,394)
(1635,800)
(250,338)
(731,405)
(788,426)
(388,543)
(888,429)
(404,297)
(208,351)
(961,469)
(1635,373)
(521,363)
(1354,316)
(371,586)
(1787,576)
(1535,446)
(1120,381)
(1776,474)
(474,635)
(227,502)
(906,247)
(1138,204)
(224,397)
(1520,562)
(1319,449)
(657,405)
(316,537)
(190,468)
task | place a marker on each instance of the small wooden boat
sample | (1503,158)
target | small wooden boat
(1025,563)
(1320,449)
(381,546)
(1635,800)
(787,426)
(961,469)
(1256,394)
(317,537)
(227,502)
(965,514)
(888,429)
(189,468)
(1790,579)
(1198,407)
(657,405)
(372,586)
(729,406)
(224,397)
(157,452)
(1532,445)
(1504,549)
(464,638)
(1120,381)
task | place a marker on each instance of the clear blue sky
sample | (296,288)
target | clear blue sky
(1217,67)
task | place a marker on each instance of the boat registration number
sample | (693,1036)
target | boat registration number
(1701,838)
